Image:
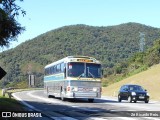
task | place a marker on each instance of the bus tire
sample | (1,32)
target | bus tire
(62,97)
(49,96)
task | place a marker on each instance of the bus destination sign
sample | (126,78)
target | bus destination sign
(84,60)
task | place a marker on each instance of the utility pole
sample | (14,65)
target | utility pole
(141,42)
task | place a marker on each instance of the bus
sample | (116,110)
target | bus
(74,77)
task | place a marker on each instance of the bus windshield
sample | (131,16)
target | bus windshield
(84,70)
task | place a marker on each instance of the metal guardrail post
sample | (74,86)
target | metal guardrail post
(9,94)
(3,92)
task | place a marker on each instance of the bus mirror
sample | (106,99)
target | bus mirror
(102,72)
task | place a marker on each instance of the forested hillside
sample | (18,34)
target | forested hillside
(139,62)
(110,45)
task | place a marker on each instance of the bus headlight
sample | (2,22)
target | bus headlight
(95,89)
(75,89)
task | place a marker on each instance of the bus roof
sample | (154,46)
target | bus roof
(70,58)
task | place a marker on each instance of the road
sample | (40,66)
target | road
(101,109)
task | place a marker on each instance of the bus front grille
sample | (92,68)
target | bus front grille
(84,95)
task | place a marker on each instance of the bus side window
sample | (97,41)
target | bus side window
(47,71)
(54,69)
(58,68)
(50,70)
(62,67)
(65,72)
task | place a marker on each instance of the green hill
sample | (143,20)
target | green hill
(111,45)
(149,79)
(139,62)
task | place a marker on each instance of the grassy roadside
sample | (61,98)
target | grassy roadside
(7,104)
(10,104)
(149,79)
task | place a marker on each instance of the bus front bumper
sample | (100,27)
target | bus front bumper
(83,95)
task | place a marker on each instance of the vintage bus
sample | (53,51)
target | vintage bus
(74,77)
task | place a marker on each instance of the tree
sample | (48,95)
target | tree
(9,27)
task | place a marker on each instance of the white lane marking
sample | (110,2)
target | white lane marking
(97,118)
(31,107)
(136,105)
(127,118)
(44,99)
(91,118)
(75,106)
(60,102)
(116,99)
(23,102)
(151,118)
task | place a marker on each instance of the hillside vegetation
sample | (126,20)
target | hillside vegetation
(139,62)
(111,45)
(149,79)
(149,63)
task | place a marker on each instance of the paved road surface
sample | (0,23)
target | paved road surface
(101,109)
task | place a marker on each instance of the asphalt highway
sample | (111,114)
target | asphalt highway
(106,108)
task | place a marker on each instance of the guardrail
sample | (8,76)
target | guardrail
(7,91)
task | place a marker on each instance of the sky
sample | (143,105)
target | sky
(45,15)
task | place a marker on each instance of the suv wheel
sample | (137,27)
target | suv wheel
(119,98)
(146,101)
(129,99)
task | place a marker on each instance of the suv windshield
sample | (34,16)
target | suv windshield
(135,88)
(89,70)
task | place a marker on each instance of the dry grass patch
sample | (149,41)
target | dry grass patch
(149,79)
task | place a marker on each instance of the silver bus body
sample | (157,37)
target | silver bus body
(73,77)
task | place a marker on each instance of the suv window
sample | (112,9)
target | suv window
(123,88)
(135,88)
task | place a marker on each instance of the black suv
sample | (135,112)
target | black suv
(133,93)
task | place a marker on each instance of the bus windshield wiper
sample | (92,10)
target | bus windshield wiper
(91,73)
(81,76)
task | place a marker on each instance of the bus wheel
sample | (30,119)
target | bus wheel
(62,97)
(90,100)
(49,96)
